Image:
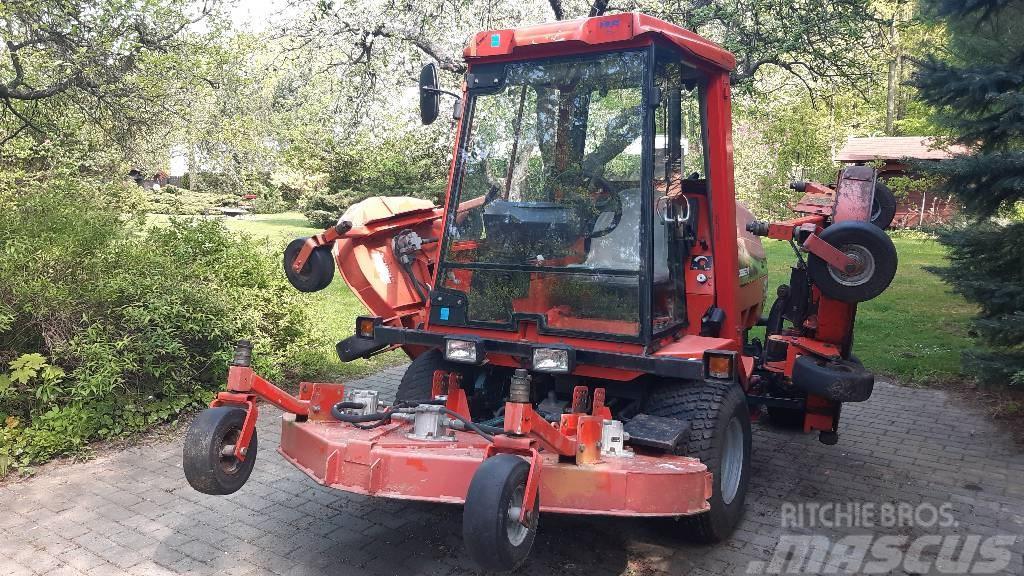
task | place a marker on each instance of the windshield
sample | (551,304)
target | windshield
(546,221)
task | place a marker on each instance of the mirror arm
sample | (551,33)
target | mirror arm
(439,91)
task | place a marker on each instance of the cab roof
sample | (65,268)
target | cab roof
(576,35)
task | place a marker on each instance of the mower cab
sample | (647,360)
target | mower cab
(580,311)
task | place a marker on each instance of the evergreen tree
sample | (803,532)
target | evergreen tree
(977,90)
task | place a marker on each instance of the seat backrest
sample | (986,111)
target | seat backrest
(620,248)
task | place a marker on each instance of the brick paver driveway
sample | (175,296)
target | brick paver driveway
(132,512)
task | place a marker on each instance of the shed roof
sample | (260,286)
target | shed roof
(896,147)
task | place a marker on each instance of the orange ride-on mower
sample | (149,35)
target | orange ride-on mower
(581,312)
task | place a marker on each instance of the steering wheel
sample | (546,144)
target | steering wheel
(606,199)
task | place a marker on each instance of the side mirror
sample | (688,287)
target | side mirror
(430,97)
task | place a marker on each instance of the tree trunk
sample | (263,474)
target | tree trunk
(892,92)
(890,101)
(193,172)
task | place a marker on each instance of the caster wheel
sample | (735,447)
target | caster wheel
(316,274)
(837,380)
(494,537)
(883,206)
(875,257)
(207,468)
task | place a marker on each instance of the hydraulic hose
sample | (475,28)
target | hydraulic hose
(336,412)
(381,418)
(470,424)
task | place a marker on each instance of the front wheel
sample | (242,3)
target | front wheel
(720,437)
(210,466)
(495,538)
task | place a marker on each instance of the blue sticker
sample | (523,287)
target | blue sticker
(495,40)
(444,313)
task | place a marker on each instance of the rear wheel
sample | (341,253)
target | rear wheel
(494,537)
(720,438)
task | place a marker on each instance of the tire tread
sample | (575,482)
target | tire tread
(700,403)
(417,382)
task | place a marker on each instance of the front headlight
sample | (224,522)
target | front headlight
(464,351)
(559,360)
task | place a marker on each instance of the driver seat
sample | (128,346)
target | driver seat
(619,249)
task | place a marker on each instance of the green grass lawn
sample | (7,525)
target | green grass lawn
(914,332)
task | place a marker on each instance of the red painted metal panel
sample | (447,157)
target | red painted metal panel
(575,36)
(854,192)
(723,203)
(690,346)
(383,462)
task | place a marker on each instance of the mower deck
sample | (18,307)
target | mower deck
(384,462)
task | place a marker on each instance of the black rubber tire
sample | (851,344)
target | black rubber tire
(316,274)
(883,206)
(709,407)
(837,380)
(418,380)
(791,418)
(484,530)
(868,242)
(205,469)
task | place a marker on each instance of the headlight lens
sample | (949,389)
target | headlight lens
(551,360)
(461,351)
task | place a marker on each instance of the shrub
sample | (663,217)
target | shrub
(268,198)
(105,330)
(179,201)
(323,210)
(399,165)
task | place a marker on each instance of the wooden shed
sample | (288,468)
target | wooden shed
(917,208)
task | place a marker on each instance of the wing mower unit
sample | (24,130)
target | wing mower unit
(585,314)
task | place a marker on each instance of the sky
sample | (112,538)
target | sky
(254,14)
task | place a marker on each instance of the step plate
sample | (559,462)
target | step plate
(656,432)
